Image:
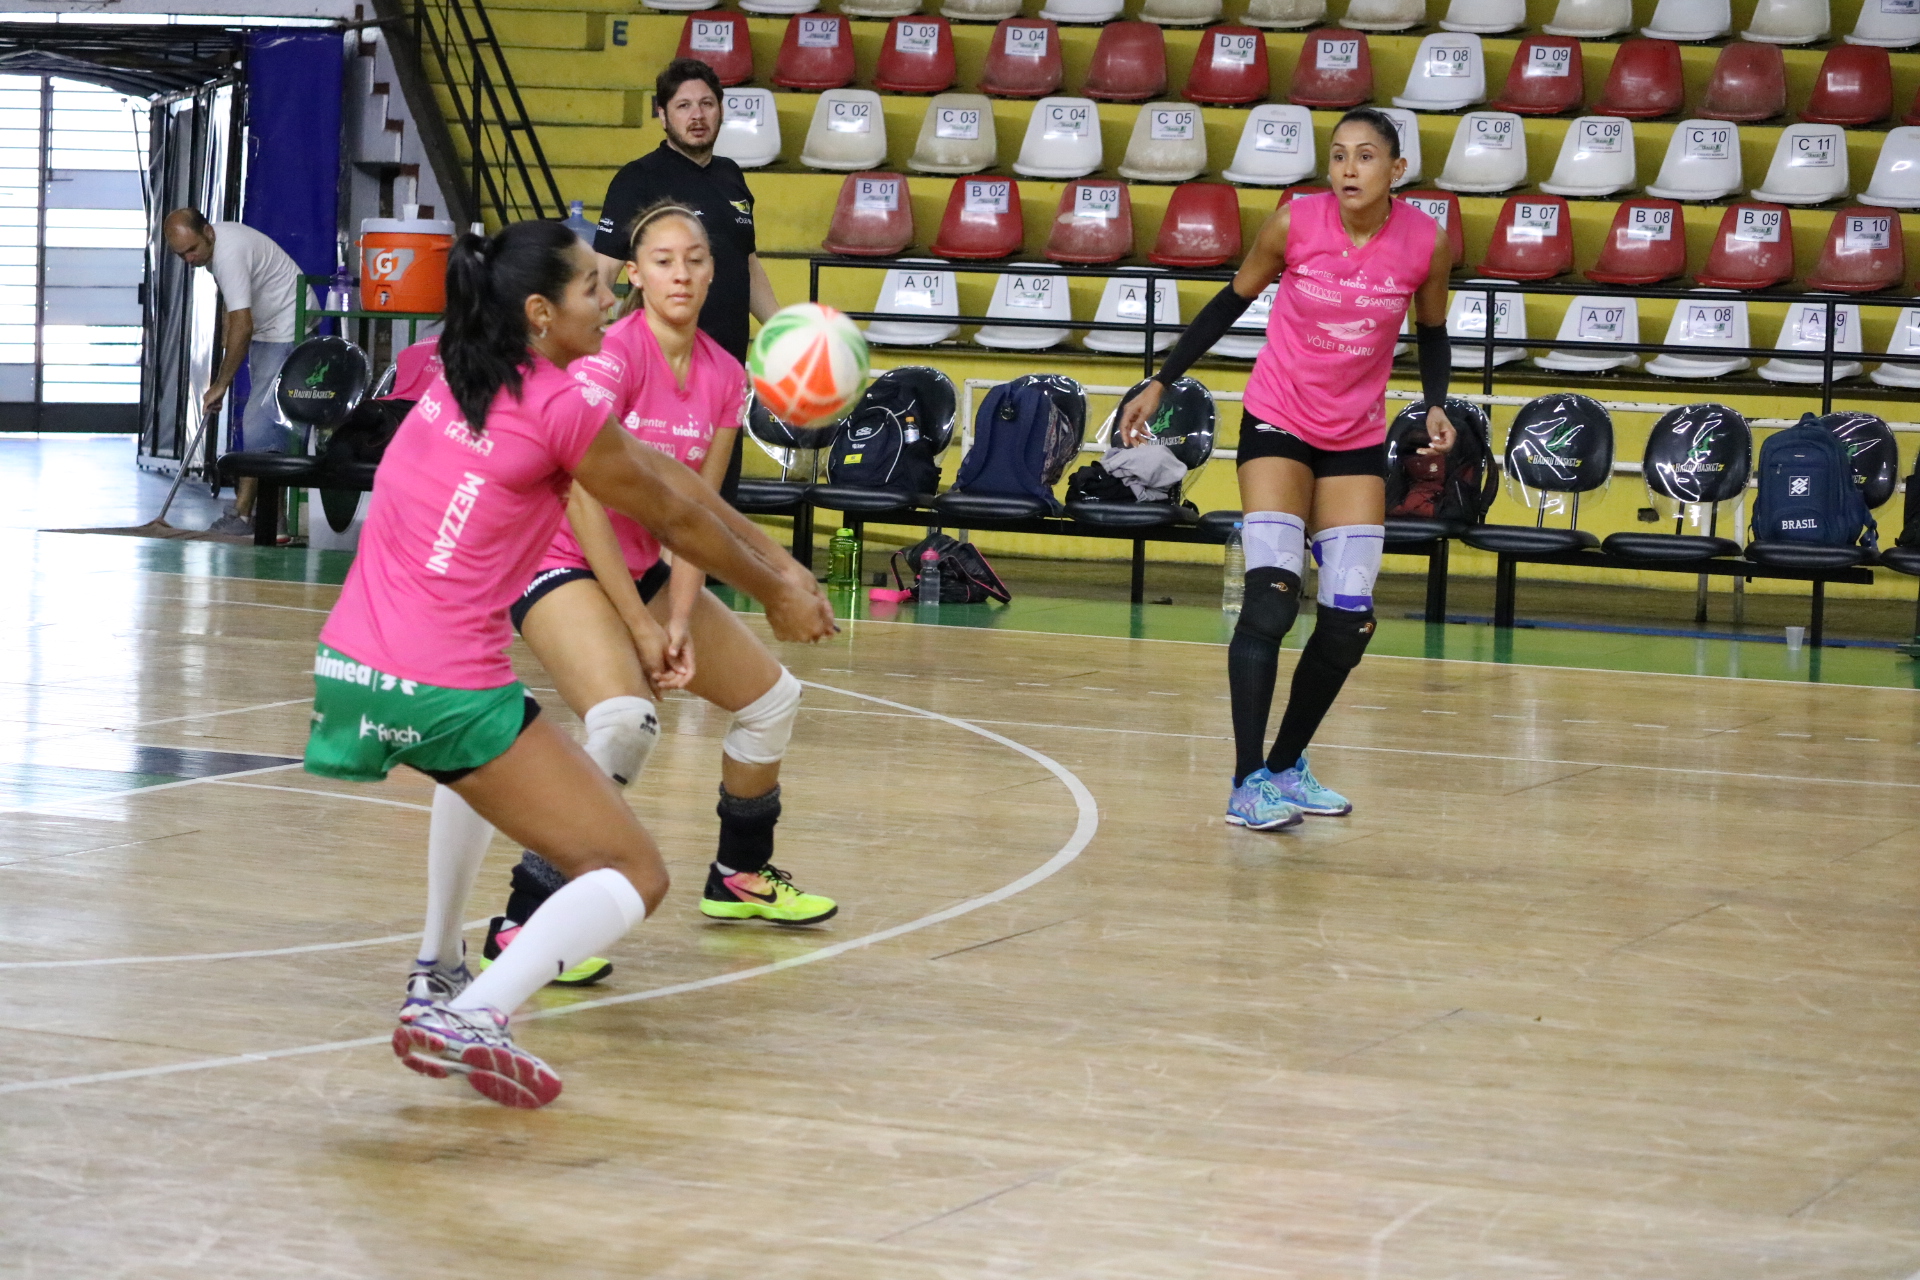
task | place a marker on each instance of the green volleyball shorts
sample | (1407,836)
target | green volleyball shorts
(365,722)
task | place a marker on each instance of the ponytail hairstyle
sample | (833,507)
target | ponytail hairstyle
(483,342)
(1377,120)
(648,217)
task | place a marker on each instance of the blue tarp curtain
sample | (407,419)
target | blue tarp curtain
(293,150)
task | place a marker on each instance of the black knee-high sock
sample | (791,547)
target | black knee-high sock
(1253,664)
(1339,638)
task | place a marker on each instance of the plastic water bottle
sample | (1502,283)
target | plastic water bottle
(930,577)
(1233,581)
(577,222)
(843,560)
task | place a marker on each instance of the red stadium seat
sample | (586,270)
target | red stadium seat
(1645,81)
(1129,64)
(1913,112)
(1864,252)
(1749,83)
(1855,87)
(982,220)
(916,56)
(719,40)
(1023,61)
(1548,76)
(1532,240)
(1202,227)
(1230,69)
(816,53)
(873,218)
(1443,207)
(1094,224)
(1752,250)
(1335,71)
(1647,244)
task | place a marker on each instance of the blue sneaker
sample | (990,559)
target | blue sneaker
(1301,789)
(1258,805)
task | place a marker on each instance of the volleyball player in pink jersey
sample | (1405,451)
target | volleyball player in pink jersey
(1312,452)
(412,666)
(586,613)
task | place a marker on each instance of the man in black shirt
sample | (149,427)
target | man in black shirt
(686,97)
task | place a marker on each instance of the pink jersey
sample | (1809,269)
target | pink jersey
(1323,374)
(661,414)
(414,369)
(456,525)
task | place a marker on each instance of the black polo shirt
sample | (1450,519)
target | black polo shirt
(716,190)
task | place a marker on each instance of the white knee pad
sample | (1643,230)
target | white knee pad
(620,735)
(761,729)
(1349,560)
(1275,540)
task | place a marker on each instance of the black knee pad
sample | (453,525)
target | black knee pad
(1271,603)
(1341,636)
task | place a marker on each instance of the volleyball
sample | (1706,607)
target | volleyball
(808,364)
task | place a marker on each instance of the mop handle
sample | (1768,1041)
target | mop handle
(186,460)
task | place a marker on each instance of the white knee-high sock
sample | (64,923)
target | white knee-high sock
(585,917)
(457,840)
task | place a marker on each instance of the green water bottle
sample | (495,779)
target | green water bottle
(843,560)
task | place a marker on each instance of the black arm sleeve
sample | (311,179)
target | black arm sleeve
(1436,361)
(1207,328)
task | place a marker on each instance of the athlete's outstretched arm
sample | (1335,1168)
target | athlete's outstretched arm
(1430,335)
(594,532)
(1260,268)
(691,520)
(690,579)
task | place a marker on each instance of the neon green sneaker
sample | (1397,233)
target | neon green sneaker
(767,894)
(501,931)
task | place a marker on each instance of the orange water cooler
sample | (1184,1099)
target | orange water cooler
(403,264)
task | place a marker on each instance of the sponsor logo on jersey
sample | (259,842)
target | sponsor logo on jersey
(1350,330)
(1319,293)
(404,736)
(454,522)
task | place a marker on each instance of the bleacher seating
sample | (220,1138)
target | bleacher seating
(917,290)
(721,40)
(1467,318)
(1285,15)
(1276,147)
(1889,25)
(1407,124)
(1201,227)
(1547,78)
(1753,249)
(1383,15)
(1709,323)
(1597,158)
(1896,172)
(872,218)
(1449,72)
(1094,224)
(1168,144)
(1646,244)
(1749,84)
(956,136)
(1230,70)
(1702,163)
(1854,87)
(1645,81)
(1532,240)
(982,220)
(1485,17)
(916,56)
(1590,19)
(1788,22)
(1129,63)
(848,132)
(1124,301)
(1904,342)
(1488,156)
(1335,71)
(1865,252)
(815,53)
(1690,21)
(1595,320)
(1444,208)
(1020,296)
(1024,59)
(1809,166)
(1805,330)
(749,128)
(1063,140)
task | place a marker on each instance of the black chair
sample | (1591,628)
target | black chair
(930,426)
(1185,424)
(795,449)
(973,506)
(323,380)
(1559,447)
(1697,457)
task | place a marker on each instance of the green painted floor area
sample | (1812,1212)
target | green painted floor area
(46,556)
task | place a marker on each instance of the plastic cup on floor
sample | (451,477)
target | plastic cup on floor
(1795,635)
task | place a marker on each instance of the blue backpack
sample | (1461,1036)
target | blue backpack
(1022,441)
(1807,490)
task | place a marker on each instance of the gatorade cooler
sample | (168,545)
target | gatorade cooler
(403,264)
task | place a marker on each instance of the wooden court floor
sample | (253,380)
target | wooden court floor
(1610,975)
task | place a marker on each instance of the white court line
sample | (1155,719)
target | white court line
(310,791)
(54,806)
(1417,751)
(1087,824)
(77,730)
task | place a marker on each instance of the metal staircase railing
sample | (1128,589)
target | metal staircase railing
(510,179)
